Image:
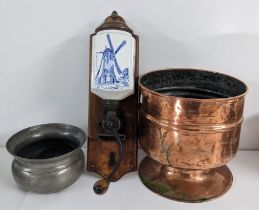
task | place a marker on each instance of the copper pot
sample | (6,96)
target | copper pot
(190,123)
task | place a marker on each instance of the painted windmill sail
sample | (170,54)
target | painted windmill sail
(113,64)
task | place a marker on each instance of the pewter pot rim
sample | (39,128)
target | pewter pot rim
(189,98)
(82,140)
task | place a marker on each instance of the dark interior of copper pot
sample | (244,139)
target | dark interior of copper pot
(191,83)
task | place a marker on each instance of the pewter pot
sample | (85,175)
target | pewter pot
(48,157)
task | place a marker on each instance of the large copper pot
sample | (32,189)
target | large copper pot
(190,126)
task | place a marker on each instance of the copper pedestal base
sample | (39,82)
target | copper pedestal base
(185,185)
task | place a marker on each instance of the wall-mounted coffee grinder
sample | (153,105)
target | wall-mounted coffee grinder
(113,102)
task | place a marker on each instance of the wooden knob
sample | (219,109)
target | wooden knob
(100,187)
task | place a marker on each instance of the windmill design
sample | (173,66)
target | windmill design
(109,74)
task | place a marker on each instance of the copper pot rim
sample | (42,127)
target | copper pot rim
(193,99)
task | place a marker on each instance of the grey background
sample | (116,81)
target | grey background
(44,50)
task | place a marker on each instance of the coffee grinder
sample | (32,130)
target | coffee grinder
(113,102)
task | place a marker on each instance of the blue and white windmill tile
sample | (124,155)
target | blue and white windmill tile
(113,61)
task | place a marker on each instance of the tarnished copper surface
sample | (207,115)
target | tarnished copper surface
(185,185)
(190,134)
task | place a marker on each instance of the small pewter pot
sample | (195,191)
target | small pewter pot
(48,157)
(190,126)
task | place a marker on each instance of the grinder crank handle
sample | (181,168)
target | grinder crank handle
(100,187)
